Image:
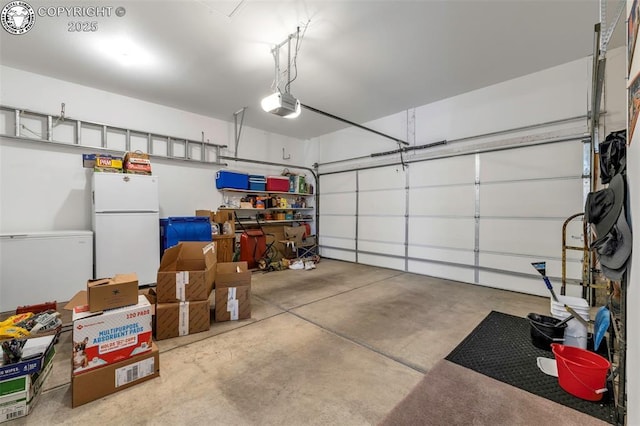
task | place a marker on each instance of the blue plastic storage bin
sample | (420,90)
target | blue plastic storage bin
(190,228)
(257,183)
(232,180)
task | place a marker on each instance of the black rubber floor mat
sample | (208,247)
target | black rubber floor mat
(500,347)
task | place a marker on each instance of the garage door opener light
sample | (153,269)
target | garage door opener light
(281,102)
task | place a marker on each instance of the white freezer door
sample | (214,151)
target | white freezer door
(118,192)
(127,242)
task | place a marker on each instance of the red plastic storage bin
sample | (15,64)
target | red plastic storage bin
(278,183)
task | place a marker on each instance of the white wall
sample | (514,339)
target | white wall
(559,92)
(45,187)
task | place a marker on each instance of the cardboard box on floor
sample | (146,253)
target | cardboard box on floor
(112,378)
(110,336)
(233,291)
(187,272)
(34,353)
(182,318)
(18,396)
(232,274)
(232,303)
(111,293)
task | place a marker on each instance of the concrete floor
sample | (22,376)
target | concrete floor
(341,344)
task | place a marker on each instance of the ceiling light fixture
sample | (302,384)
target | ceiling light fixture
(281,102)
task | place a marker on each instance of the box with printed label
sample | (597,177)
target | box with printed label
(34,353)
(187,272)
(19,395)
(233,303)
(111,293)
(110,336)
(107,163)
(182,318)
(232,274)
(137,162)
(112,378)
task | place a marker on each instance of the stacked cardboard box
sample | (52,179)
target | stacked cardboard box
(233,292)
(112,343)
(185,281)
(21,382)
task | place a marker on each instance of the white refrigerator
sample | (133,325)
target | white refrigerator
(126,225)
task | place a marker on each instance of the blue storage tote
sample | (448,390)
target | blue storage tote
(231,180)
(189,228)
(257,183)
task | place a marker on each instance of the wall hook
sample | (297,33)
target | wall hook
(285,157)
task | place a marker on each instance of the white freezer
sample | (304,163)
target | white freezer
(118,192)
(127,242)
(38,267)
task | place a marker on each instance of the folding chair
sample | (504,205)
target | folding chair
(296,243)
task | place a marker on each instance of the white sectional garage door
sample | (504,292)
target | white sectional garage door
(478,218)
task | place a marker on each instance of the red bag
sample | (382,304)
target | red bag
(253,246)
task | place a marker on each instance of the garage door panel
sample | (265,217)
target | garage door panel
(522,264)
(464,257)
(540,237)
(441,271)
(338,226)
(442,201)
(445,171)
(541,161)
(530,285)
(337,242)
(338,203)
(381,261)
(390,202)
(442,232)
(389,229)
(338,182)
(382,178)
(394,249)
(331,253)
(513,283)
(542,198)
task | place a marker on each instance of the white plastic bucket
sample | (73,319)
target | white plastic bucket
(576,332)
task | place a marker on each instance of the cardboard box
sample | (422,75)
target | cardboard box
(89,161)
(34,353)
(111,293)
(233,303)
(206,213)
(19,395)
(187,272)
(110,336)
(112,378)
(137,162)
(150,294)
(232,274)
(107,163)
(182,318)
(224,215)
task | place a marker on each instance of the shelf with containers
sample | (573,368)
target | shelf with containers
(256,199)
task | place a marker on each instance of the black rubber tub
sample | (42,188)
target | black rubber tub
(545,331)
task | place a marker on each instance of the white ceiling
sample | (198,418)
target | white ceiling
(360,60)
